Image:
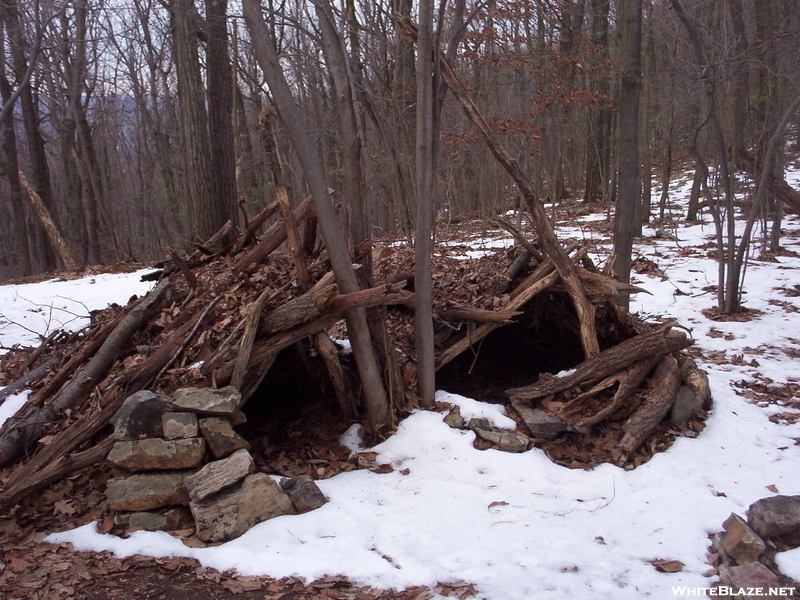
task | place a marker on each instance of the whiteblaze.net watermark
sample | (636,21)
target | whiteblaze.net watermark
(723,590)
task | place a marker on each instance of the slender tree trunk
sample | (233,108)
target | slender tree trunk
(628,198)
(263,44)
(423,241)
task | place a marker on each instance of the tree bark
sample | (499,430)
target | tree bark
(220,116)
(629,191)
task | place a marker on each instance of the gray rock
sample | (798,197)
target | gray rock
(220,474)
(234,511)
(304,493)
(753,575)
(454,418)
(146,491)
(176,425)
(540,424)
(222,439)
(739,542)
(696,379)
(687,404)
(140,416)
(170,519)
(208,401)
(155,454)
(776,515)
(504,439)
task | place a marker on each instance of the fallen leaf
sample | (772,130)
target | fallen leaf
(772,488)
(667,566)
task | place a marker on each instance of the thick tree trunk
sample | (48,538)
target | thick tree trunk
(9,164)
(220,116)
(194,120)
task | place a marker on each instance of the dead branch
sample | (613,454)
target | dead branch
(191,278)
(26,380)
(521,239)
(49,226)
(659,341)
(55,472)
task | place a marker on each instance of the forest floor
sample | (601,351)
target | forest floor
(611,539)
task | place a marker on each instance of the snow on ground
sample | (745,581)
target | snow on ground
(29,312)
(519,526)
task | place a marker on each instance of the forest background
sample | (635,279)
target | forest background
(133,126)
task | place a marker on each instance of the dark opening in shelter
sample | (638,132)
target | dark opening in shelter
(538,341)
(295,388)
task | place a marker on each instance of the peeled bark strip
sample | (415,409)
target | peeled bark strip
(659,341)
(663,389)
(15,439)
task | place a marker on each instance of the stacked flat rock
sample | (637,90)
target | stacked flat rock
(150,493)
(183,452)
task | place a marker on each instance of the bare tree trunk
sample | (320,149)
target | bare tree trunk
(194,119)
(9,164)
(220,116)
(423,241)
(374,392)
(40,171)
(629,195)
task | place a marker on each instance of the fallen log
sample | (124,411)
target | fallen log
(663,389)
(659,341)
(15,439)
(76,361)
